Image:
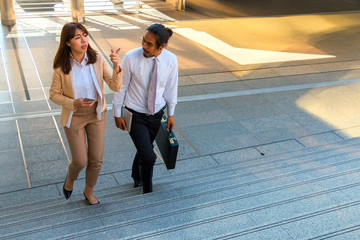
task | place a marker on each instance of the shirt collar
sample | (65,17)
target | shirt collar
(83,62)
(161,55)
(159,58)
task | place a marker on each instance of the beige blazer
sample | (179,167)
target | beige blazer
(61,91)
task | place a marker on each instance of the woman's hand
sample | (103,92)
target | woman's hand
(114,57)
(81,103)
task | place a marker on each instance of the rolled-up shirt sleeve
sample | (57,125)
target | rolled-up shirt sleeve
(170,93)
(119,97)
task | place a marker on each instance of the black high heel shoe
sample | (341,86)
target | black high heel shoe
(89,201)
(67,193)
(137,183)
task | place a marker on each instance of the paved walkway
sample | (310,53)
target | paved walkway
(256,86)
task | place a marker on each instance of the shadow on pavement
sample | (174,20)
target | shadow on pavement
(250,8)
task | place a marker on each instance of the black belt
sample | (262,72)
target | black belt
(161,112)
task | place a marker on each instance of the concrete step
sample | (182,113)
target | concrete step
(159,4)
(260,164)
(180,177)
(203,195)
(160,217)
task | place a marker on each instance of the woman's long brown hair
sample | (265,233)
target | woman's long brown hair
(62,57)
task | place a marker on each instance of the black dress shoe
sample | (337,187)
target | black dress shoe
(146,191)
(89,201)
(66,193)
(147,188)
(137,183)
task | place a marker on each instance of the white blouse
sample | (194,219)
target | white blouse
(83,83)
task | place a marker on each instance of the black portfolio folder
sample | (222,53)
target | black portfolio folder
(168,145)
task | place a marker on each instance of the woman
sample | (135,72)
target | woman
(77,86)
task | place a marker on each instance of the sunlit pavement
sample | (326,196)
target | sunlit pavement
(269,84)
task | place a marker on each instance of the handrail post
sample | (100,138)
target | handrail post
(7,12)
(78,11)
(137,6)
(181,5)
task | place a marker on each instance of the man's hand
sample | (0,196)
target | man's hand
(120,123)
(170,123)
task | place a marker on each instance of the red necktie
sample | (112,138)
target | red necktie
(152,88)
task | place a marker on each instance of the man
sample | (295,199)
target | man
(147,68)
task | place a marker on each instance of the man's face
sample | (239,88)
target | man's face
(149,46)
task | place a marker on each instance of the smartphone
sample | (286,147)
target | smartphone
(89,99)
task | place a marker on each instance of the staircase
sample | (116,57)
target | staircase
(306,194)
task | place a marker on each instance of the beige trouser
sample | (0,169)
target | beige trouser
(85,126)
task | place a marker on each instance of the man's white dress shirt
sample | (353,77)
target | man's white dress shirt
(136,77)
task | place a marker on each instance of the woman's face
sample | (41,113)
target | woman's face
(79,43)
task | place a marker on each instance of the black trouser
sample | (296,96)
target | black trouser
(143,132)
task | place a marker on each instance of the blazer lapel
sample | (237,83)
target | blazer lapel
(94,69)
(67,87)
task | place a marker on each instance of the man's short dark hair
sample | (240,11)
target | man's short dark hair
(161,32)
